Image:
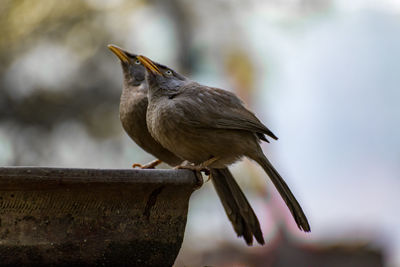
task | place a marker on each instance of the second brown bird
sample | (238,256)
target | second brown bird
(209,127)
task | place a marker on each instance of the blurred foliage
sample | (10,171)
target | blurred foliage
(26,22)
(80,30)
(70,24)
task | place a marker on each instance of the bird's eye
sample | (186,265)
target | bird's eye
(168,72)
(137,62)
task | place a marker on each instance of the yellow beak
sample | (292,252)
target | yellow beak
(149,65)
(119,53)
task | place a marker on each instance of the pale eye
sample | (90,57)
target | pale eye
(137,62)
(168,72)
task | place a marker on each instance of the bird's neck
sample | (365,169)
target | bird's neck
(130,93)
(154,91)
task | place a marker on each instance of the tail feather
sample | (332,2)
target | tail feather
(286,194)
(237,208)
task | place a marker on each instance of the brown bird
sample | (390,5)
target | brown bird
(208,127)
(133,107)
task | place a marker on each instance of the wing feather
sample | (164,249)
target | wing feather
(226,110)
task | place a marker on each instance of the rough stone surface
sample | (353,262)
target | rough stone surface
(83,217)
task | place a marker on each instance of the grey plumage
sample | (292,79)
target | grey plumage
(237,208)
(133,107)
(132,112)
(199,123)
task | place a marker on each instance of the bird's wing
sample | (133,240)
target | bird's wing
(223,110)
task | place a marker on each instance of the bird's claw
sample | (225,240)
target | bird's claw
(199,179)
(150,165)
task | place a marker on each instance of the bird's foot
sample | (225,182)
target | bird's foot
(202,167)
(150,165)
(209,161)
(199,179)
(197,169)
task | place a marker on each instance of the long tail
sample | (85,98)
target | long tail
(237,208)
(285,193)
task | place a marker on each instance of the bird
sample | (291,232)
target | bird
(209,127)
(133,109)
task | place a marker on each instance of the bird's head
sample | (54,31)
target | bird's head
(134,71)
(160,77)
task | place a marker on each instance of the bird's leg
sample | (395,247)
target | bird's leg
(209,162)
(150,165)
(197,171)
(189,166)
(200,167)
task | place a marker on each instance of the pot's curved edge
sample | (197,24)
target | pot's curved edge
(89,175)
(92,216)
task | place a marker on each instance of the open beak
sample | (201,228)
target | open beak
(149,65)
(121,54)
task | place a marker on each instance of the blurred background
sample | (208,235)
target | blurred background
(322,75)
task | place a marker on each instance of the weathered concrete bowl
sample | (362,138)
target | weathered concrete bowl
(86,217)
